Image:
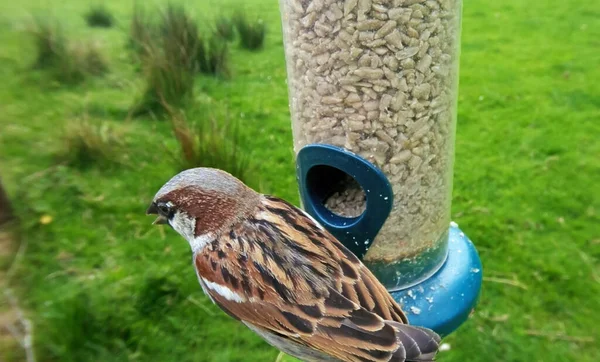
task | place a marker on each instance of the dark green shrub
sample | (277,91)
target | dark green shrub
(251,33)
(99,16)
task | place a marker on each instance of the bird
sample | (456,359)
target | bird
(273,267)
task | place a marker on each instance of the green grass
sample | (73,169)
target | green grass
(102,284)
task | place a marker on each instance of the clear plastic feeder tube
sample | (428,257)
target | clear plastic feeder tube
(379,78)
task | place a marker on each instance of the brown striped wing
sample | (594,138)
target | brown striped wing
(294,279)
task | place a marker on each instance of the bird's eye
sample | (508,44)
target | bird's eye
(164,209)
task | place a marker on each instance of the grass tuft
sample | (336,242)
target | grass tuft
(182,43)
(50,42)
(85,59)
(172,59)
(210,144)
(68,62)
(99,16)
(170,53)
(225,28)
(181,38)
(87,144)
(252,33)
(142,30)
(168,83)
(217,57)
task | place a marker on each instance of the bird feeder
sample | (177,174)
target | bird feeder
(373,90)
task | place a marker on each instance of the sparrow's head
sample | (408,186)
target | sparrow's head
(201,201)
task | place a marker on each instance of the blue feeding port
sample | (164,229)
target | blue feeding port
(439,297)
(322,167)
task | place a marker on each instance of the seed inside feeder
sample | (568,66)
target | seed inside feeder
(348,199)
(379,78)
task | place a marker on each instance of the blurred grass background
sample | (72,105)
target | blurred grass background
(100,284)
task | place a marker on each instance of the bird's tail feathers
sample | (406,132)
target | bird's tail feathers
(416,344)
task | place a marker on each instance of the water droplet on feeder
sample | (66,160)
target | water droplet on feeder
(385,198)
(415,310)
(474,270)
(429,299)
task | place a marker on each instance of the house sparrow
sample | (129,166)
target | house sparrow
(271,266)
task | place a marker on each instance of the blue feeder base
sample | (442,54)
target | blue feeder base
(445,300)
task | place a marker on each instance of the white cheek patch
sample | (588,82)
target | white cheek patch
(184,225)
(224,291)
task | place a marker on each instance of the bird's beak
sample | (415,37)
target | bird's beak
(153,210)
